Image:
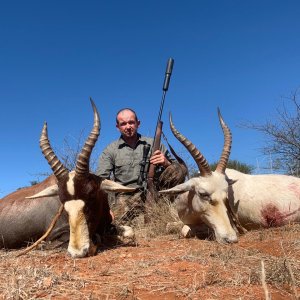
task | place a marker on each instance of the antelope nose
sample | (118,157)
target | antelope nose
(230,240)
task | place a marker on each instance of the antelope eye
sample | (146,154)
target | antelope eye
(205,196)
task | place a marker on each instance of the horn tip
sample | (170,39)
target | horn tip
(94,105)
(220,116)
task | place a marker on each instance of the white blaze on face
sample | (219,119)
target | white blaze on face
(79,243)
(70,184)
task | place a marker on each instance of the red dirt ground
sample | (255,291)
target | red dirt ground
(166,267)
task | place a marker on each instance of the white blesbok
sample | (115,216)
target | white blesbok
(262,201)
(202,200)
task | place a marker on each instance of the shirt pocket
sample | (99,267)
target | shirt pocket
(123,169)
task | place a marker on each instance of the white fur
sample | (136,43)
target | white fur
(252,194)
(257,200)
(79,243)
(127,231)
(70,184)
(194,209)
(186,231)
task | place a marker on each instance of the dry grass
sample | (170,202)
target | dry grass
(162,266)
(160,214)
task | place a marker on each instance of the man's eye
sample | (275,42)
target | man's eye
(205,196)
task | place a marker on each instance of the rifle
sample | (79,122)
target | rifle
(151,191)
(142,177)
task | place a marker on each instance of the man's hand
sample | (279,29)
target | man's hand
(158,158)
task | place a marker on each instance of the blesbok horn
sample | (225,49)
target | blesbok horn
(83,160)
(222,164)
(196,154)
(56,165)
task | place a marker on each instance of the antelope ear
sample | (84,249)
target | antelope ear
(180,188)
(231,181)
(111,186)
(49,191)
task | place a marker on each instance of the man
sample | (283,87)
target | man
(123,158)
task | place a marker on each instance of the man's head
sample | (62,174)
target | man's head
(127,122)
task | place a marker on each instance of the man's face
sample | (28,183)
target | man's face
(127,124)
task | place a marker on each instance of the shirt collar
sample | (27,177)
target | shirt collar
(122,143)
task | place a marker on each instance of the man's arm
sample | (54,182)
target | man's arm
(105,164)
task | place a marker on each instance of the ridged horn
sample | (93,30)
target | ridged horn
(57,167)
(196,154)
(83,160)
(222,164)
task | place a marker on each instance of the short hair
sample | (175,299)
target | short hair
(126,108)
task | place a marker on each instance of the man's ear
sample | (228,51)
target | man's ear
(138,123)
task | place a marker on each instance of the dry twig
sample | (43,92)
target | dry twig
(263,281)
(45,234)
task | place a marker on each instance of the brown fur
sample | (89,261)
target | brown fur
(25,220)
(31,190)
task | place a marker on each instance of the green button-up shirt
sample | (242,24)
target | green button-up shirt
(124,162)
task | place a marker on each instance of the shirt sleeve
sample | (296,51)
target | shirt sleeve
(105,164)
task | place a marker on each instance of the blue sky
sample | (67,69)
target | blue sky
(242,56)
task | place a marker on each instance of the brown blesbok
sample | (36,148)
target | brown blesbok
(25,215)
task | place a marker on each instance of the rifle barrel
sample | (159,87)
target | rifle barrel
(168,74)
(152,193)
